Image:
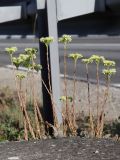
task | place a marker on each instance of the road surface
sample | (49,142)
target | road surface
(109,47)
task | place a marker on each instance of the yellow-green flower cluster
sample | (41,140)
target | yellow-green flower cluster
(64,98)
(11,50)
(25,60)
(97,59)
(109,72)
(65,39)
(37,67)
(31,52)
(24,57)
(87,60)
(108,63)
(20,76)
(17,61)
(75,56)
(46,40)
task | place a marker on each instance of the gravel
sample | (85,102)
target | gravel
(61,149)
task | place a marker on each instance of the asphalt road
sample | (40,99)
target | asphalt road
(72,148)
(109,47)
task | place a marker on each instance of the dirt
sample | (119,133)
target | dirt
(61,149)
(66,148)
(112,107)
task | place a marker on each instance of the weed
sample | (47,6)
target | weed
(33,122)
(65,39)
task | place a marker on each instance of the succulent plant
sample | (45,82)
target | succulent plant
(109,72)
(17,61)
(11,50)
(64,98)
(20,76)
(75,56)
(109,63)
(46,40)
(87,60)
(97,59)
(65,39)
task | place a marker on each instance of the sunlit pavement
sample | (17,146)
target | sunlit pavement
(102,45)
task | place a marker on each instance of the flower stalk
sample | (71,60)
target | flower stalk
(87,61)
(47,41)
(65,40)
(75,57)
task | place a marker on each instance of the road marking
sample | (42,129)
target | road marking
(93,81)
(116,85)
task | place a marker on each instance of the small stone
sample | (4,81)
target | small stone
(53,145)
(96,151)
(13,158)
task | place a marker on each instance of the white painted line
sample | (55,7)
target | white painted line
(93,44)
(20,68)
(4,36)
(116,85)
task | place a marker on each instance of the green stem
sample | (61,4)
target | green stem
(48,67)
(97,77)
(89,102)
(74,91)
(50,89)
(65,79)
(34,100)
(88,84)
(103,106)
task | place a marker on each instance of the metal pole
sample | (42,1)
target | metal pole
(47,26)
(43,32)
(54,56)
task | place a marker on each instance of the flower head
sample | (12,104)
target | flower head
(46,40)
(31,52)
(109,63)
(75,56)
(20,76)
(11,50)
(17,61)
(36,67)
(87,60)
(97,59)
(64,98)
(25,60)
(65,39)
(109,72)
(24,57)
